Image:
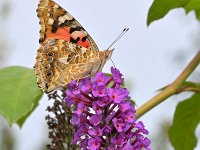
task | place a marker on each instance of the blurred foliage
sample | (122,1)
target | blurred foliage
(7,140)
(5,8)
(160,137)
(160,8)
(181,55)
(186,119)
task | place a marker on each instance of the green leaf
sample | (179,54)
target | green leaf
(190,84)
(192,5)
(132,102)
(160,8)
(186,119)
(19,94)
(185,86)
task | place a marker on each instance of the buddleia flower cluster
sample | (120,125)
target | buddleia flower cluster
(58,121)
(103,115)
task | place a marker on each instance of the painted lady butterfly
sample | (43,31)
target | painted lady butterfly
(67,52)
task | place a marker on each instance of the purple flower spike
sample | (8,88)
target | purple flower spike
(103,116)
(94,143)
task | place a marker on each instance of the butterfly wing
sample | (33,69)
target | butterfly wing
(67,52)
(59,62)
(57,23)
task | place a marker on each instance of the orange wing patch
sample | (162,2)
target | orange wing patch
(61,33)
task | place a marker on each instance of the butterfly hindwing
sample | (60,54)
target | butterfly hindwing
(59,62)
(57,23)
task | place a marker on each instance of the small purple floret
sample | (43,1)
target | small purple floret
(95,119)
(99,91)
(94,143)
(117,76)
(117,94)
(96,131)
(100,78)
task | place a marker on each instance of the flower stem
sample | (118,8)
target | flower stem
(171,89)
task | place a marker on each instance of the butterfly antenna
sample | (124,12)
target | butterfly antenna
(112,62)
(119,37)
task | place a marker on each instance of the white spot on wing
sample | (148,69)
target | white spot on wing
(62,19)
(68,16)
(50,21)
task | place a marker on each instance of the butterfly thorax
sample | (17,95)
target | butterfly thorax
(104,56)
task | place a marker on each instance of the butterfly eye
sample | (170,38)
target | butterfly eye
(50,59)
(49,74)
(47,66)
(50,54)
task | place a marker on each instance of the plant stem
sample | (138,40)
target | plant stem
(171,89)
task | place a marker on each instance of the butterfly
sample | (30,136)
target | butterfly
(67,52)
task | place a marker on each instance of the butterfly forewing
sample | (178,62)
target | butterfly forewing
(57,23)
